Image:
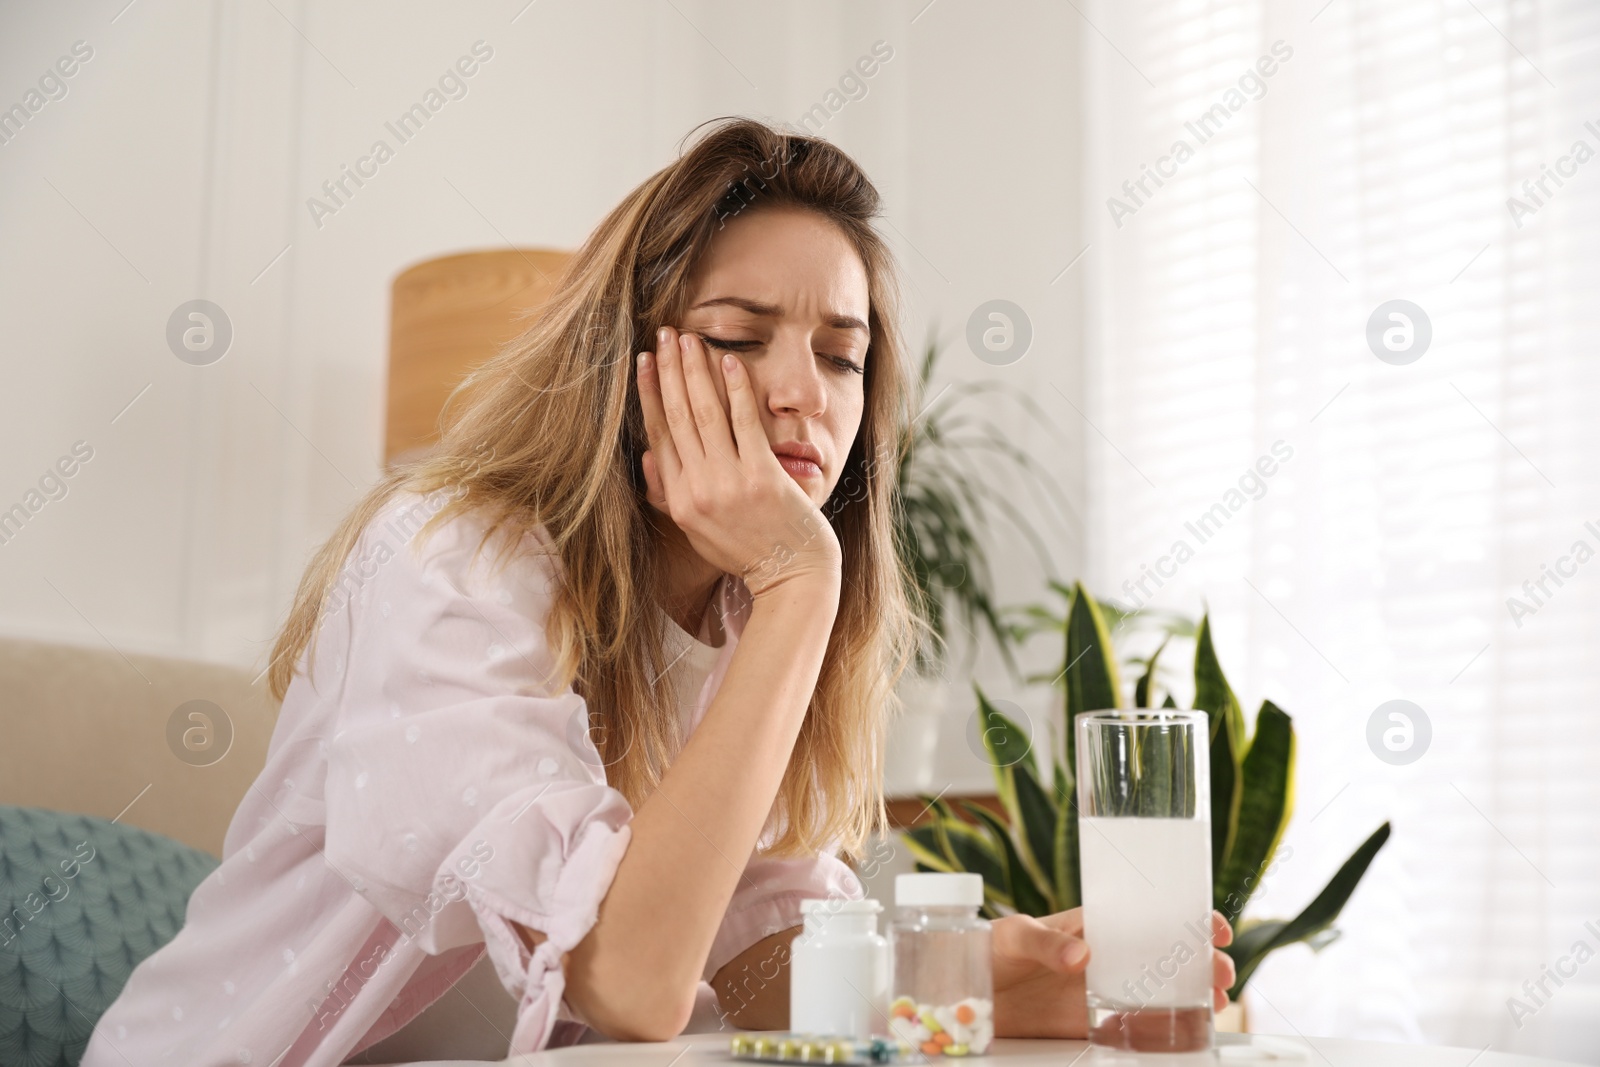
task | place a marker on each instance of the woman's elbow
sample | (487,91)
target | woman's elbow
(646,1016)
(662,1024)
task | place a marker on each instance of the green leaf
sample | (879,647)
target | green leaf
(1090,680)
(925,848)
(1265,804)
(1017,783)
(1034,820)
(996,875)
(1069,893)
(1026,896)
(1141,689)
(973,851)
(1226,794)
(1226,721)
(1006,743)
(1251,942)
(1311,925)
(940,807)
(924,837)
(1153,757)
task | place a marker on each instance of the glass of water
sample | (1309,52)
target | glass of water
(1144,833)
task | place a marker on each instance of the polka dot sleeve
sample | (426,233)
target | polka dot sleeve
(463,792)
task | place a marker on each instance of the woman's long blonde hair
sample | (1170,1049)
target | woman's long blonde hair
(549,432)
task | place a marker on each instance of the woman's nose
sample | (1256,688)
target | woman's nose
(795,386)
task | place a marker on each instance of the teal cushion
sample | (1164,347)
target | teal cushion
(82,902)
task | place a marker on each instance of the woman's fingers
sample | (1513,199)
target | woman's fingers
(656,430)
(1222,970)
(1026,937)
(661,453)
(1055,940)
(1221,932)
(709,417)
(1069,921)
(679,416)
(748,433)
(655,490)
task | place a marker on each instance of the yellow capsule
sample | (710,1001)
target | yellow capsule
(763,1046)
(739,1045)
(956,1050)
(930,1022)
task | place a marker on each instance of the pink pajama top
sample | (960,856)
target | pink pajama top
(429,786)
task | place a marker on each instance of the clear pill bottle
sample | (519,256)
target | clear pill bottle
(941,981)
(839,970)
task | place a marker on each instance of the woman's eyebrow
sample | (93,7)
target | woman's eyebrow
(836,320)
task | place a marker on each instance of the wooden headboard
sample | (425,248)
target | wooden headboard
(447,316)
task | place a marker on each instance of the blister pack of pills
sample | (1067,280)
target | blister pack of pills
(818,1048)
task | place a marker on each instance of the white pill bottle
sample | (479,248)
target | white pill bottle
(839,970)
(942,979)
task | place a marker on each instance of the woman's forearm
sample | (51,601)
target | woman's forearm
(635,975)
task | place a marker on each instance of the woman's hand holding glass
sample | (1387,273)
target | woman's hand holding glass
(711,468)
(1040,968)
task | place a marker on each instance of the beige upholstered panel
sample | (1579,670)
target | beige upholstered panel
(84,730)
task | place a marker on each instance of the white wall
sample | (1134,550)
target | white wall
(179,163)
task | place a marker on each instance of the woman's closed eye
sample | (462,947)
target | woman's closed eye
(842,363)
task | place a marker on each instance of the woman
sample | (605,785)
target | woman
(577,710)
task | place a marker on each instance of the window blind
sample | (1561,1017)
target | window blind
(1420,541)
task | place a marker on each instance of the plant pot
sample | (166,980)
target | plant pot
(913,736)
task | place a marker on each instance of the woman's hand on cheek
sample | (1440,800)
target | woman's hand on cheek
(711,468)
(655,490)
(1039,974)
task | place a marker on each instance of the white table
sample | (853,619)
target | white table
(702,1050)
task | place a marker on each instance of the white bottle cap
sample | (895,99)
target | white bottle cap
(933,889)
(837,905)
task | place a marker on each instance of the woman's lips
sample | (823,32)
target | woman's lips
(800,468)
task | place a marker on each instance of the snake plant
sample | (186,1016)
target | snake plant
(1029,859)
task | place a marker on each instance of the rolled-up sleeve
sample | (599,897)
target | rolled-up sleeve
(768,898)
(463,792)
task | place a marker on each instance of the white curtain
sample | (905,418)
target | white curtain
(1291,168)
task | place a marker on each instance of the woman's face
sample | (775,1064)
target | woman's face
(784,290)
